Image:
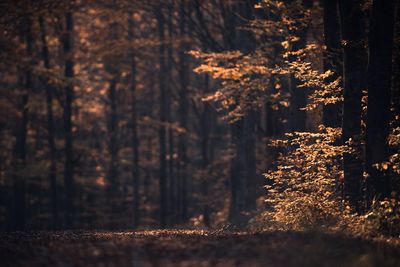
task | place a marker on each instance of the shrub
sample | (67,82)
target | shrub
(384,217)
(306,180)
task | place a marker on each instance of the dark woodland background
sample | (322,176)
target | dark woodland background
(188,113)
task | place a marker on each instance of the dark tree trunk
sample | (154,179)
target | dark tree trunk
(247,137)
(298,96)
(395,96)
(270,123)
(69,97)
(238,178)
(169,106)
(205,142)
(135,140)
(113,146)
(112,116)
(379,90)
(243,169)
(250,160)
(354,70)
(183,111)
(237,175)
(171,176)
(149,141)
(332,57)
(50,129)
(396,71)
(20,148)
(163,119)
(271,115)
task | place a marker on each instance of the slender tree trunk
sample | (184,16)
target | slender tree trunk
(113,147)
(332,57)
(149,141)
(249,131)
(249,143)
(379,90)
(242,169)
(298,96)
(149,157)
(69,97)
(20,148)
(269,120)
(396,71)
(395,96)
(354,70)
(169,112)
(50,129)
(205,140)
(238,178)
(271,123)
(183,109)
(135,140)
(163,119)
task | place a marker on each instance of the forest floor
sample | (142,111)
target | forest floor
(192,248)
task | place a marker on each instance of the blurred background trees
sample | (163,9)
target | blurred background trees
(126,114)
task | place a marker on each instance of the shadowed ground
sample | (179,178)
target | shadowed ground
(191,248)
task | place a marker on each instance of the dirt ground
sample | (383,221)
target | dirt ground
(192,248)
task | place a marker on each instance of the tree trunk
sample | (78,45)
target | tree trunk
(135,140)
(298,96)
(332,58)
(250,160)
(396,71)
(238,178)
(69,151)
(169,112)
(50,129)
(354,70)
(271,115)
(243,169)
(183,110)
(149,142)
(395,95)
(205,142)
(20,147)
(113,147)
(379,90)
(163,119)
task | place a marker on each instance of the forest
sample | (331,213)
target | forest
(184,132)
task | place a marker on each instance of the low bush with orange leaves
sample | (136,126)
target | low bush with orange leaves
(305,182)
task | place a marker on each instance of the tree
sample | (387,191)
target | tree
(332,57)
(112,143)
(183,107)
(205,143)
(243,166)
(68,133)
(135,140)
(50,127)
(354,70)
(379,92)
(172,183)
(112,70)
(298,95)
(396,71)
(20,147)
(162,132)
